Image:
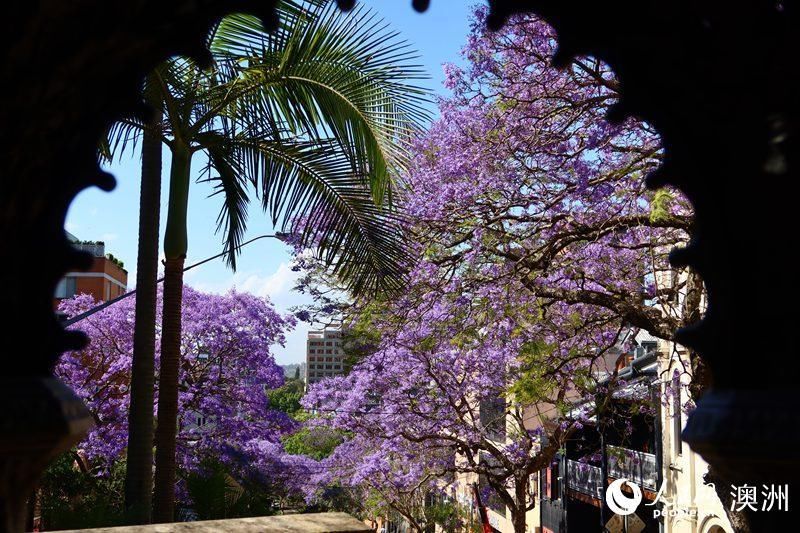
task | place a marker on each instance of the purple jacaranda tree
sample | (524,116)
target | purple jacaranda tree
(434,396)
(395,478)
(227,367)
(538,246)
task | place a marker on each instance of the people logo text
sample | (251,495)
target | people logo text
(618,502)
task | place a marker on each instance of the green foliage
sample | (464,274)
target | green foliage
(314,119)
(450,516)
(74,499)
(344,86)
(343,499)
(660,205)
(287,397)
(303,416)
(533,385)
(362,337)
(215,494)
(315,442)
(116,261)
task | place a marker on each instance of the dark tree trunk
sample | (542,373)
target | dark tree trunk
(167,427)
(30,511)
(521,502)
(139,473)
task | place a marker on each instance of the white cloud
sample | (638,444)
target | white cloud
(277,286)
(279,283)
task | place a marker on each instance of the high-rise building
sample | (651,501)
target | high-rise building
(105,280)
(324,354)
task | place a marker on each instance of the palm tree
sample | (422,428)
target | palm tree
(139,465)
(315,118)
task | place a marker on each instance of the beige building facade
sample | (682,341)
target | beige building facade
(324,354)
(691,506)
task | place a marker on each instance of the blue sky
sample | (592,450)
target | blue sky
(263,267)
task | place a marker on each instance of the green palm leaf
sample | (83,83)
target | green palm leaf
(340,76)
(316,117)
(225,173)
(333,100)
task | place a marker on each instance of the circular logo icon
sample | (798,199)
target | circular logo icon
(618,502)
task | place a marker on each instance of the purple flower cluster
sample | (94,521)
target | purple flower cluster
(227,365)
(537,245)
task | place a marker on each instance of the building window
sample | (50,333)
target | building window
(493,417)
(648,347)
(66,288)
(493,501)
(676,415)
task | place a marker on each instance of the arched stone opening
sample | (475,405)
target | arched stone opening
(716,79)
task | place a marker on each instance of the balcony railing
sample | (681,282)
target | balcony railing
(96,249)
(639,467)
(584,478)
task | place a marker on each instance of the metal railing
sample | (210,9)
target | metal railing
(584,478)
(639,467)
(97,250)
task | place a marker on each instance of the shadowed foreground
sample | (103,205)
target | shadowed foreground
(305,523)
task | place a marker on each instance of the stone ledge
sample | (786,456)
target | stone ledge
(299,523)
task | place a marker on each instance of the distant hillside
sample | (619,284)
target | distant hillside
(290,370)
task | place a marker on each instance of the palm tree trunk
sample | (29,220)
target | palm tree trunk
(175,244)
(167,428)
(139,469)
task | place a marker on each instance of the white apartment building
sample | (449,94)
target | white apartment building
(324,354)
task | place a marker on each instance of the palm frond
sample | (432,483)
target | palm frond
(318,117)
(339,76)
(228,178)
(121,136)
(238,35)
(125,134)
(308,188)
